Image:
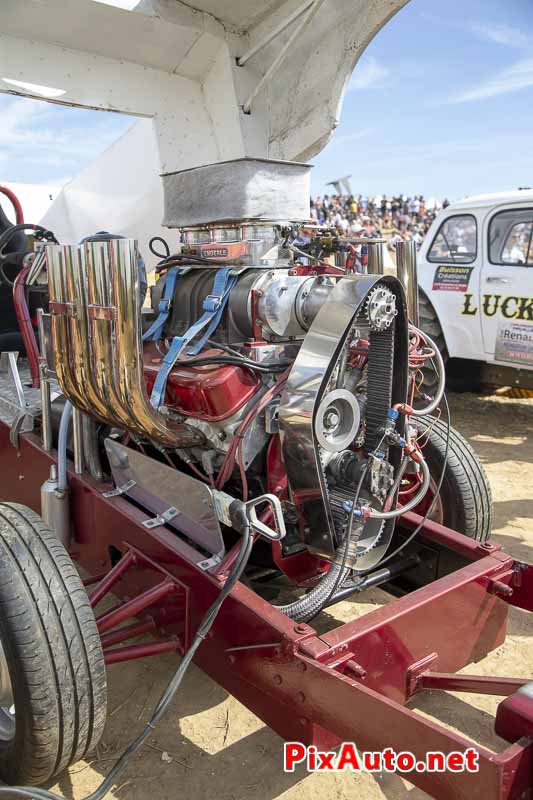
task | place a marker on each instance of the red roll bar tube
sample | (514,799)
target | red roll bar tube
(25,325)
(19,214)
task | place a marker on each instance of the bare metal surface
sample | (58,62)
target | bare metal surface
(247,189)
(406,269)
(55,509)
(307,382)
(77,440)
(158,487)
(9,406)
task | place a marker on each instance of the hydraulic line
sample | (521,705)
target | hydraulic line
(313,602)
(397,512)
(441,374)
(62,447)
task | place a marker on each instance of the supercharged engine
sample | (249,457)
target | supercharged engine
(274,374)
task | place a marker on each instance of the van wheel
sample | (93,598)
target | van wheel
(429,323)
(465,499)
(53,693)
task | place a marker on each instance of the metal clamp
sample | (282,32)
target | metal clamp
(161,519)
(119,490)
(259,527)
(209,563)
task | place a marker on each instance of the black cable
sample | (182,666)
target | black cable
(180,259)
(278,366)
(154,251)
(167,696)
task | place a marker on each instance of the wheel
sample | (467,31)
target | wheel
(53,693)
(465,499)
(429,323)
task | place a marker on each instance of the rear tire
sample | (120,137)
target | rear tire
(465,494)
(52,654)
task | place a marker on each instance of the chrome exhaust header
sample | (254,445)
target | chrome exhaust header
(96,329)
(406,270)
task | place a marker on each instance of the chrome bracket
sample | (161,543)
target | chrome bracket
(214,561)
(273,533)
(119,490)
(161,519)
(19,426)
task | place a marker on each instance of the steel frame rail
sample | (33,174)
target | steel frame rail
(351,683)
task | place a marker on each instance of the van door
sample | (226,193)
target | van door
(506,302)
(450,278)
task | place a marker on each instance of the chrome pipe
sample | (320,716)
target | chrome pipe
(90,447)
(77,439)
(46,409)
(102,313)
(96,325)
(128,361)
(406,271)
(80,337)
(58,259)
(375,259)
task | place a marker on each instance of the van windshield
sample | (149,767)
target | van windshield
(456,241)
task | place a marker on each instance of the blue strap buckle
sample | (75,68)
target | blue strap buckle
(212,302)
(164,305)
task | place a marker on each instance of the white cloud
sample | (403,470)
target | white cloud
(499,33)
(515,78)
(351,137)
(369,73)
(37,137)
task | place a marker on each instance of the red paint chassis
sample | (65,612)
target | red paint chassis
(351,683)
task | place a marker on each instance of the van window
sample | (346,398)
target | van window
(510,235)
(456,241)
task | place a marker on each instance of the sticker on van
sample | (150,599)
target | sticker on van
(514,342)
(452,278)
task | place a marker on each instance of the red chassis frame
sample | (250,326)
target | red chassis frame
(351,683)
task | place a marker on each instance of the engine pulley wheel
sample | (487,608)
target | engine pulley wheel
(337,420)
(381,308)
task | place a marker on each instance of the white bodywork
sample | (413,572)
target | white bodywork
(484,305)
(178,65)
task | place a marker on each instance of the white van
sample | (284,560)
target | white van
(475,275)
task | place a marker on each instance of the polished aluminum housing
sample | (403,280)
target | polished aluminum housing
(96,319)
(305,389)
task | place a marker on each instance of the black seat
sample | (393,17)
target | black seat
(10,338)
(17,243)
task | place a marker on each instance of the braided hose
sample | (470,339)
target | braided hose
(308,606)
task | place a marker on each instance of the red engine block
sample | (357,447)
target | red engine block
(211,392)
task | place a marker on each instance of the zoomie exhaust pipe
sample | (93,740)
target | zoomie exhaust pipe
(96,328)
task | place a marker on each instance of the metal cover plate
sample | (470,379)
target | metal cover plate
(157,487)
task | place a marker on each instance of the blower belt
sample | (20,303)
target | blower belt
(379,384)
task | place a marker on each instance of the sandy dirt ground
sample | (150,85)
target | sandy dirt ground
(211,745)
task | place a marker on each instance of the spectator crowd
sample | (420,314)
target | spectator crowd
(392,218)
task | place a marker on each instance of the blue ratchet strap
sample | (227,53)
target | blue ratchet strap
(213,306)
(155,331)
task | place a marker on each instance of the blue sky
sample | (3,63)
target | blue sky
(440,104)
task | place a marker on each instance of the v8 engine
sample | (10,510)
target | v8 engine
(276,377)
